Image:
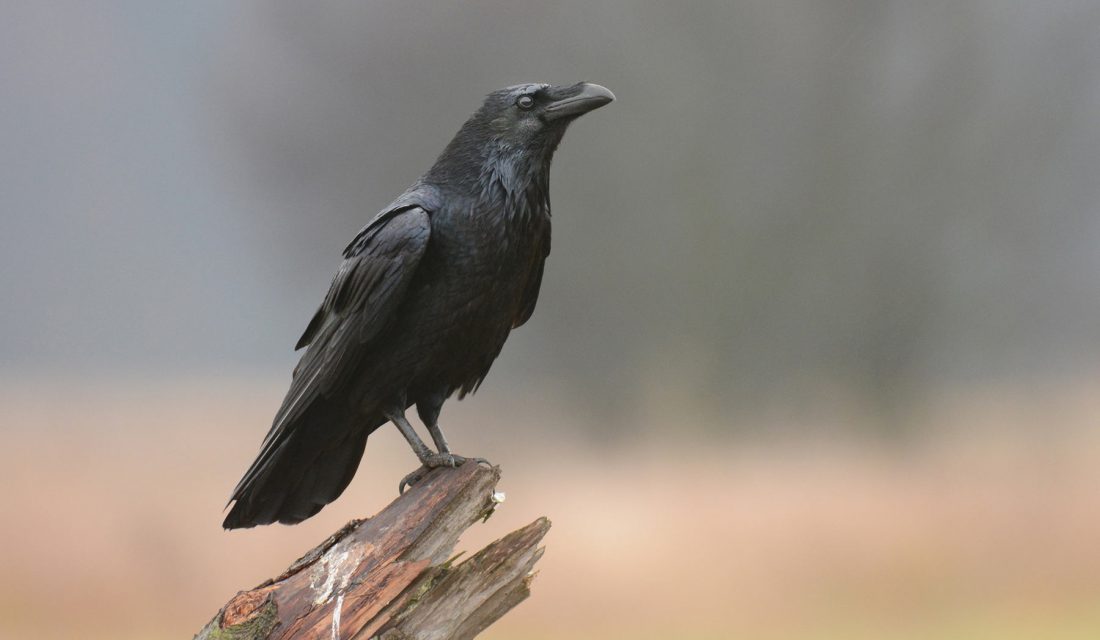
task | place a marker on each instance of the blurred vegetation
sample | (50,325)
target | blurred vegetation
(790,199)
(886,196)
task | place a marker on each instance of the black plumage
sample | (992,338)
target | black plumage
(421,306)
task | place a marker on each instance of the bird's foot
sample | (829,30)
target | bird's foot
(450,460)
(435,461)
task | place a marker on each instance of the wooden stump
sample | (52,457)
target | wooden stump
(389,576)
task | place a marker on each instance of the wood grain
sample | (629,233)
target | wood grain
(389,577)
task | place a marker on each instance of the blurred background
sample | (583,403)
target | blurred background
(817,353)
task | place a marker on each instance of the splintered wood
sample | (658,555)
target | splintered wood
(388,577)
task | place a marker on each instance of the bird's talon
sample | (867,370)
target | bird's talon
(443,460)
(435,461)
(411,479)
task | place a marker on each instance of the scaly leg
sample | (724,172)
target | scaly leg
(428,407)
(397,416)
(428,459)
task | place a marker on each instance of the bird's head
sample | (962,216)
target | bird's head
(534,114)
(523,120)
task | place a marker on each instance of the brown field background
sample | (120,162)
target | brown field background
(987,525)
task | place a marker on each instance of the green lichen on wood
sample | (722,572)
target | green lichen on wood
(416,592)
(258,627)
(422,586)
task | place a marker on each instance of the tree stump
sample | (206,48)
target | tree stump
(392,576)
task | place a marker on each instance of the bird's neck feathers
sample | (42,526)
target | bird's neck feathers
(490,170)
(518,181)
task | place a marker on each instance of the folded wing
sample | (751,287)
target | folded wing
(366,290)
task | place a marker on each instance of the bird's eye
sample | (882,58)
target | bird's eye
(525,102)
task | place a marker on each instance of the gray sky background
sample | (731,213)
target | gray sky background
(892,196)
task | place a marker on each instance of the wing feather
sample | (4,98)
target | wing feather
(365,291)
(368,286)
(534,283)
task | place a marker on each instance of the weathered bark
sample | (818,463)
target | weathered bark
(389,576)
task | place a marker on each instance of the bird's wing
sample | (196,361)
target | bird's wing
(369,285)
(534,282)
(378,265)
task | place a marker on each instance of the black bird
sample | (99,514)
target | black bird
(421,305)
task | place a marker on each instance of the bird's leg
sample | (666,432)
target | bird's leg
(397,416)
(428,407)
(428,459)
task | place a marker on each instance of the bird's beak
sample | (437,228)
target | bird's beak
(579,100)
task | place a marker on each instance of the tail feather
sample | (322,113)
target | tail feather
(307,470)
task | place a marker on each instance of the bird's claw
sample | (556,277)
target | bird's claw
(411,479)
(443,460)
(435,461)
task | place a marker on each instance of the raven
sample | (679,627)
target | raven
(421,305)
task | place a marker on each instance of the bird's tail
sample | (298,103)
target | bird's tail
(298,475)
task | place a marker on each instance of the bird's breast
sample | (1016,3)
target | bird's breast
(474,258)
(467,292)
